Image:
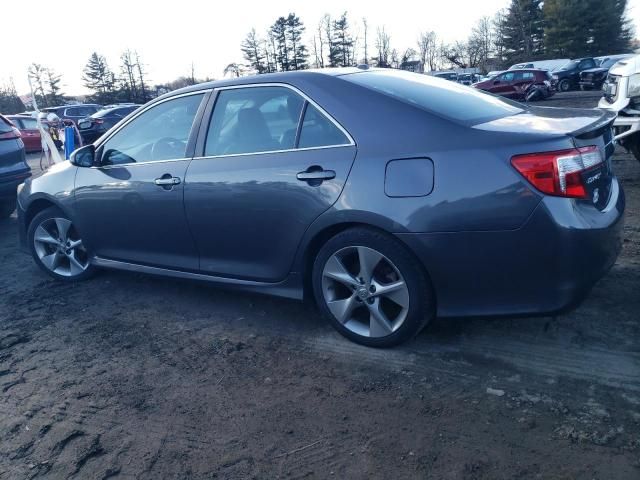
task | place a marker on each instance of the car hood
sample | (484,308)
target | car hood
(549,120)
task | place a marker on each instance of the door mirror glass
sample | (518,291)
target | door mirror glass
(84,157)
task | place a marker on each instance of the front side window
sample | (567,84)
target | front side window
(160,133)
(507,77)
(254,120)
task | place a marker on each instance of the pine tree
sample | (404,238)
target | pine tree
(99,78)
(253,52)
(295,30)
(54,91)
(577,28)
(522,30)
(279,37)
(10,102)
(340,53)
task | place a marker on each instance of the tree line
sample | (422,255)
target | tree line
(526,30)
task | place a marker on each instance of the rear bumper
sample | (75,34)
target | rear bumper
(9,182)
(547,266)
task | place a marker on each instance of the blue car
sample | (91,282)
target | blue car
(13,166)
(387,197)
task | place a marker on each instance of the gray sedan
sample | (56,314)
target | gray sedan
(386,196)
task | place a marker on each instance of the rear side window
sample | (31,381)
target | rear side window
(446,99)
(29,123)
(318,131)
(528,76)
(254,120)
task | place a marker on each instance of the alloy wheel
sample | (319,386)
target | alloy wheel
(59,247)
(365,291)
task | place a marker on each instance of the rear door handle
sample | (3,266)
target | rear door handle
(166,181)
(310,175)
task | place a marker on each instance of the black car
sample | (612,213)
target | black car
(593,78)
(13,166)
(73,112)
(94,126)
(568,76)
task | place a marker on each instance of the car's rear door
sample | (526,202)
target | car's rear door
(271,162)
(130,207)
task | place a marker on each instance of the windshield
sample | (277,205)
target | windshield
(443,98)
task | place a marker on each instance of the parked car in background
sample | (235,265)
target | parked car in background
(468,78)
(452,76)
(93,127)
(622,96)
(541,64)
(13,166)
(490,75)
(523,84)
(325,184)
(568,76)
(28,127)
(594,78)
(73,112)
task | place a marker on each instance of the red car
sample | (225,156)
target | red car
(29,130)
(525,84)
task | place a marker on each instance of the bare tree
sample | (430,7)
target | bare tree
(141,74)
(428,50)
(481,42)
(383,46)
(233,69)
(365,25)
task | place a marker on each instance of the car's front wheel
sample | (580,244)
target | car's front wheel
(371,288)
(57,247)
(564,85)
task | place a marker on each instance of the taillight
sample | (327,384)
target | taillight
(14,133)
(558,173)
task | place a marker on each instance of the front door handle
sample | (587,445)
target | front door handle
(316,174)
(167,181)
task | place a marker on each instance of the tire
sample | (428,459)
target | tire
(57,248)
(352,298)
(7,207)
(634,146)
(564,85)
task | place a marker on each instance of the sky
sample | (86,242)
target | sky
(170,35)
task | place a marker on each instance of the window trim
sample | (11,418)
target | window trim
(304,96)
(194,131)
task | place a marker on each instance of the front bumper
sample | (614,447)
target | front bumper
(544,267)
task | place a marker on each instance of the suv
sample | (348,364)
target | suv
(593,78)
(523,84)
(73,112)
(622,96)
(568,77)
(13,166)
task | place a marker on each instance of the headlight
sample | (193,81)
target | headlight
(555,77)
(633,90)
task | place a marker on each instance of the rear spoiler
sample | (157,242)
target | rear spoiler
(596,128)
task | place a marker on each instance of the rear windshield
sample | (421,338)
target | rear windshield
(5,126)
(443,98)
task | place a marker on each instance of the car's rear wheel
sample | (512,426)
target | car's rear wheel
(371,288)
(7,207)
(57,247)
(564,85)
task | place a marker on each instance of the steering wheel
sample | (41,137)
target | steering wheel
(165,148)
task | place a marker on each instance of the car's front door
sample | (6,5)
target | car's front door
(271,164)
(502,84)
(130,206)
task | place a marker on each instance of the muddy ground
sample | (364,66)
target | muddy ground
(131,376)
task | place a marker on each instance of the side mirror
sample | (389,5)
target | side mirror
(84,156)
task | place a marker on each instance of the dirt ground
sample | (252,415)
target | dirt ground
(132,376)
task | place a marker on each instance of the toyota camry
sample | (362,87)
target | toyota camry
(388,197)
